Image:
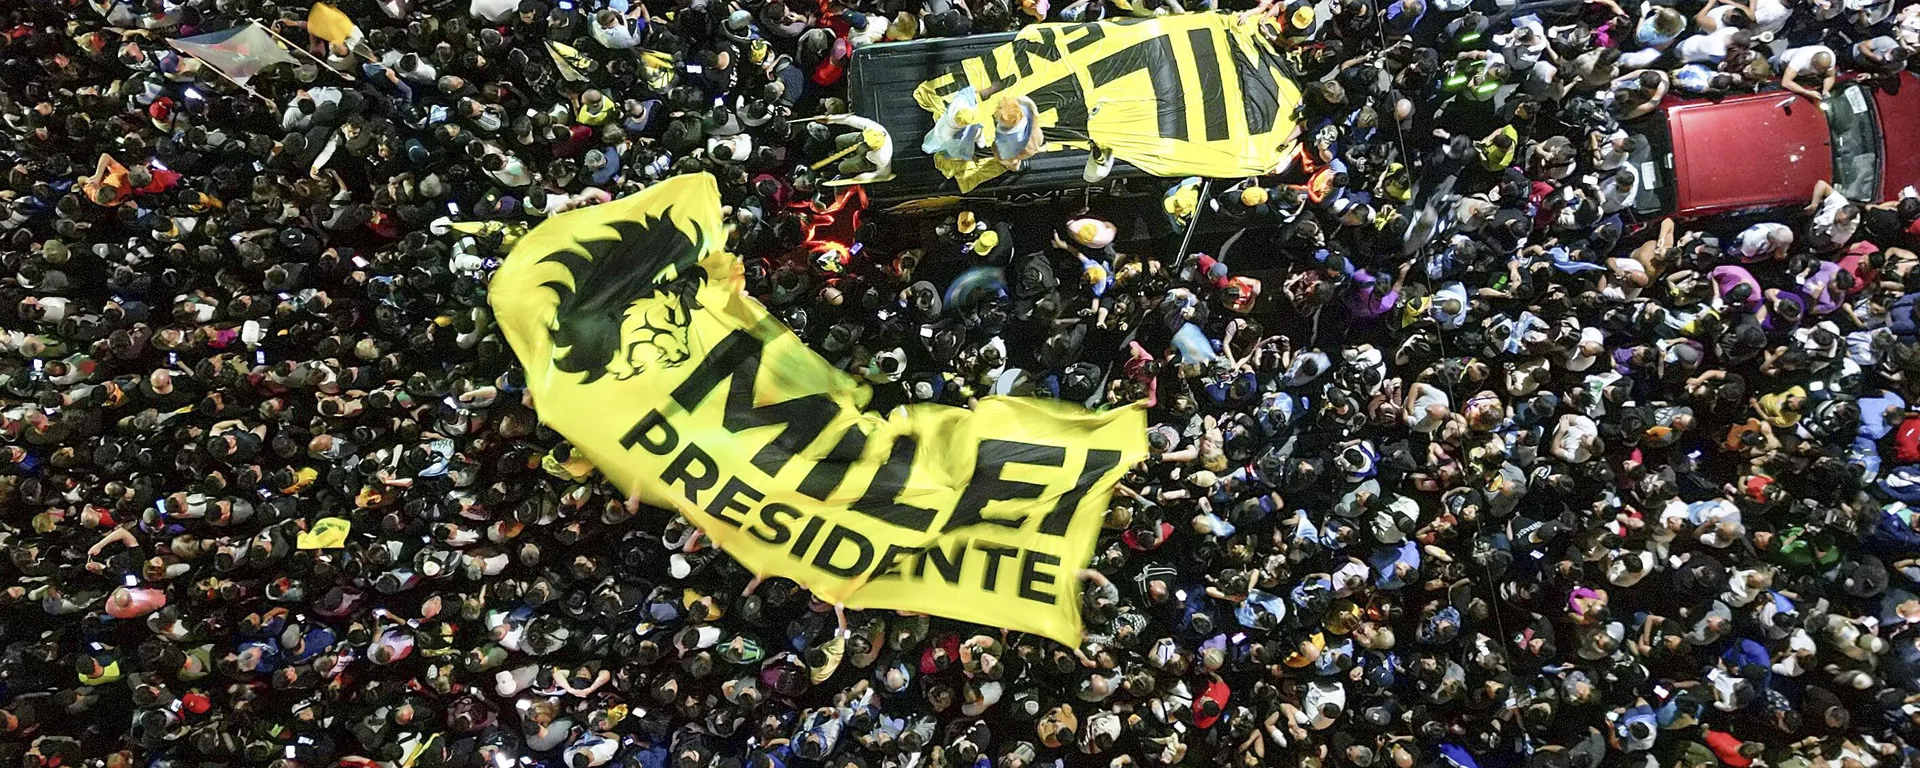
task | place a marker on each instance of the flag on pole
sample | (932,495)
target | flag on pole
(657,70)
(239,53)
(568,59)
(328,23)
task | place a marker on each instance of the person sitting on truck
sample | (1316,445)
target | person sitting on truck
(1016,130)
(874,163)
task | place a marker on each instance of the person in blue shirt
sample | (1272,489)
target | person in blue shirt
(1016,130)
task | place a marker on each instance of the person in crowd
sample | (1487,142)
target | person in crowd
(1495,471)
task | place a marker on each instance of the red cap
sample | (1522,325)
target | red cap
(1215,692)
(196,702)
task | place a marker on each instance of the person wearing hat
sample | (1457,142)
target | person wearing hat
(1016,130)
(957,134)
(867,150)
(1181,202)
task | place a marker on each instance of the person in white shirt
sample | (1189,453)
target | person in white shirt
(1835,218)
(615,31)
(1808,62)
(1427,407)
(1712,47)
(1763,241)
(1610,150)
(1576,439)
(874,164)
(1769,17)
(1581,356)
(410,66)
(507,169)
(1626,568)
(1718,14)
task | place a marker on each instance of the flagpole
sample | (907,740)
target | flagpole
(830,159)
(303,51)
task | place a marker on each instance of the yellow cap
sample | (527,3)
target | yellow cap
(986,242)
(1253,196)
(1302,17)
(964,221)
(1182,202)
(874,137)
(1091,233)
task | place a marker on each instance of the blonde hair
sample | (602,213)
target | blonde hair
(1008,111)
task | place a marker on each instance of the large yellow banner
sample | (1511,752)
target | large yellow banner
(643,350)
(1200,94)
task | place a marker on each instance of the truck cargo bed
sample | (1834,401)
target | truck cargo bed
(881,80)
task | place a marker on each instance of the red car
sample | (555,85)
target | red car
(1766,150)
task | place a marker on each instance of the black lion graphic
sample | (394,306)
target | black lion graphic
(650,258)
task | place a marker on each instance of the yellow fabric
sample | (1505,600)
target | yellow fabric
(414,749)
(328,23)
(1199,94)
(641,348)
(658,70)
(327,533)
(1492,157)
(569,61)
(509,233)
(108,674)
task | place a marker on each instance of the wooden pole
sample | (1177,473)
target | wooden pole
(835,157)
(319,62)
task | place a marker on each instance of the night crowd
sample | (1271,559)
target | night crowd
(1457,460)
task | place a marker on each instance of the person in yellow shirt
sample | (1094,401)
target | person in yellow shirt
(1783,409)
(824,659)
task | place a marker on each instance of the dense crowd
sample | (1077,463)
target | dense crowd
(1495,472)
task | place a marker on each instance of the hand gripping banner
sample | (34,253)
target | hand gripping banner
(643,350)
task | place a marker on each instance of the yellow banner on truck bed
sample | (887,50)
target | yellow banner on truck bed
(643,350)
(1200,94)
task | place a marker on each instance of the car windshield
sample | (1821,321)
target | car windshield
(1651,154)
(1856,143)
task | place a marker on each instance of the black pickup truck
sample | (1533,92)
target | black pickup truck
(881,81)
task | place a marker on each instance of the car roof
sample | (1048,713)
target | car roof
(1748,151)
(1900,150)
